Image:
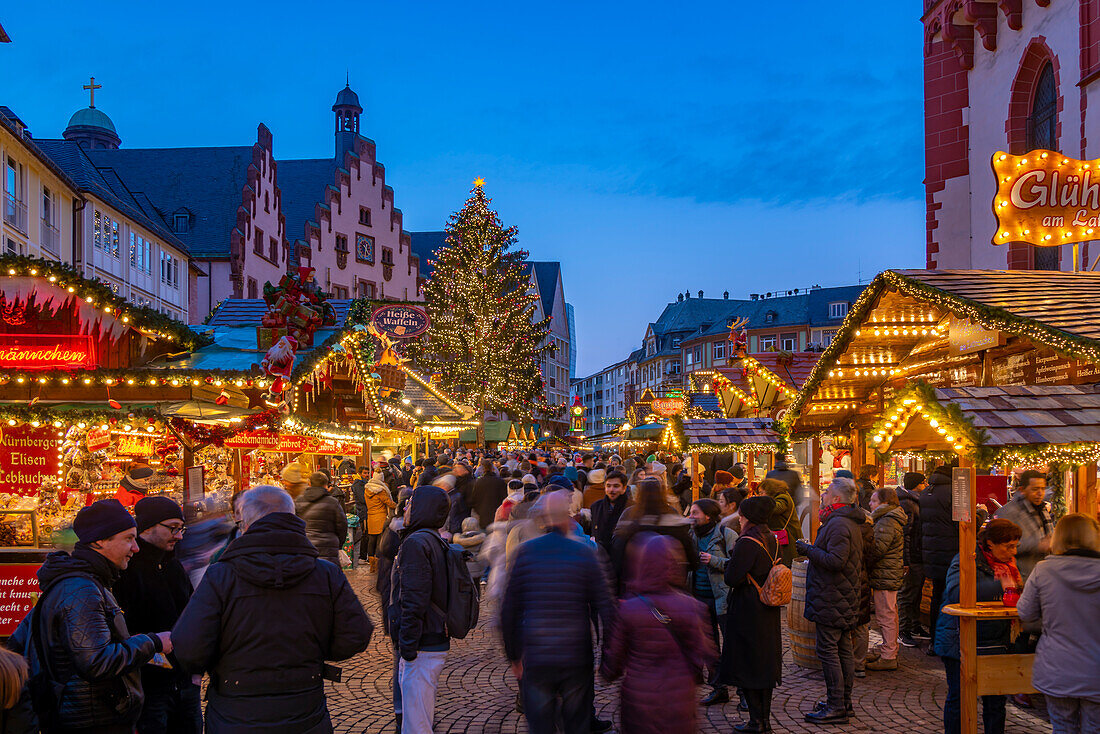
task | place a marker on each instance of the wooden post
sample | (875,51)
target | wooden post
(1085,496)
(750,465)
(968,599)
(815,486)
(695,478)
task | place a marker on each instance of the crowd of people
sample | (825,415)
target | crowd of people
(585,564)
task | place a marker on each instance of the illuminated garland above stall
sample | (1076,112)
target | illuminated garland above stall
(96,294)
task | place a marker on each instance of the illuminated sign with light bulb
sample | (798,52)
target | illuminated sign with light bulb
(1045,198)
(46,351)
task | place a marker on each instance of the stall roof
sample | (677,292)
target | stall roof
(901,327)
(994,424)
(249,311)
(722,434)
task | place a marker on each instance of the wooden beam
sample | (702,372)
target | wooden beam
(1003,675)
(968,598)
(695,478)
(1084,498)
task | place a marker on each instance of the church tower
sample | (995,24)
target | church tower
(91,128)
(347,111)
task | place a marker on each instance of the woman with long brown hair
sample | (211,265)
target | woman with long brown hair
(651,513)
(16,713)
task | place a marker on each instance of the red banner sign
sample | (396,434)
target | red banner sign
(270,441)
(28,456)
(400,321)
(18,591)
(47,351)
(668,406)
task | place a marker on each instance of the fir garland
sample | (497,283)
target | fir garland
(140,317)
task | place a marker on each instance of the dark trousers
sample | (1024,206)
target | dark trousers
(993,707)
(760,704)
(909,599)
(547,690)
(368,546)
(717,622)
(834,650)
(170,709)
(936,602)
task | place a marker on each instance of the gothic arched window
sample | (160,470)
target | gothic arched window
(1042,123)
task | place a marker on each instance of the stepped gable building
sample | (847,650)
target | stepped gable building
(245,217)
(1007,75)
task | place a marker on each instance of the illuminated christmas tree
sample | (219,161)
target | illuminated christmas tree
(483,340)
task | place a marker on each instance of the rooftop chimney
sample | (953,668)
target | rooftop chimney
(700,294)
(679,298)
(726,295)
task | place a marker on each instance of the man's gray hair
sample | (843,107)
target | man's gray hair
(262,501)
(845,490)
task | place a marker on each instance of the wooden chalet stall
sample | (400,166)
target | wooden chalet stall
(996,368)
(696,436)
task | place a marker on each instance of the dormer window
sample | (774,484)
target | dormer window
(676,342)
(838,310)
(770,317)
(181,222)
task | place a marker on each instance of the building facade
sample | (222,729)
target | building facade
(1007,76)
(603,395)
(38,197)
(244,217)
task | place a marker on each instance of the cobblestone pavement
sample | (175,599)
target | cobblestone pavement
(477,691)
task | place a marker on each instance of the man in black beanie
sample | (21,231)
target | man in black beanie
(76,632)
(152,591)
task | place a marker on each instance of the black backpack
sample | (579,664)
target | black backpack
(463,596)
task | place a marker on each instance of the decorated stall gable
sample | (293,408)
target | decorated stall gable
(1045,198)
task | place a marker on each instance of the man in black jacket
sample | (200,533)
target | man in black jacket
(607,511)
(152,591)
(489,493)
(554,590)
(834,590)
(910,630)
(418,598)
(263,622)
(86,648)
(428,475)
(939,540)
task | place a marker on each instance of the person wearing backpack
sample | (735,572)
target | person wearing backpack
(85,665)
(753,654)
(555,587)
(326,522)
(418,607)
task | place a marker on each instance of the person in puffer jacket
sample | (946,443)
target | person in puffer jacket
(90,653)
(834,586)
(939,539)
(1063,592)
(263,622)
(326,523)
(887,573)
(912,588)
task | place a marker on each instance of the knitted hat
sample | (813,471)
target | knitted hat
(100,520)
(723,477)
(912,480)
(560,481)
(152,510)
(528,479)
(597,476)
(757,510)
(446,482)
(656,467)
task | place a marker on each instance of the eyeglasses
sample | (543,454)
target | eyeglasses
(174,529)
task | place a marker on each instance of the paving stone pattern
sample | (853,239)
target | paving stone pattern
(477,691)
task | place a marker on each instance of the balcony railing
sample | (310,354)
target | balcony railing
(49,238)
(15,212)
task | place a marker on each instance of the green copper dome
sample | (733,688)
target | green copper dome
(91,117)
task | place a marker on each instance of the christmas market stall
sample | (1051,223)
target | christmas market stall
(503,435)
(735,436)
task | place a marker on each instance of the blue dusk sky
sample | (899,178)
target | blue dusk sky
(651,148)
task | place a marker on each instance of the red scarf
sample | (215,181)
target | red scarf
(824,512)
(1006,573)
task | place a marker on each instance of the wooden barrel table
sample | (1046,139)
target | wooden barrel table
(803,632)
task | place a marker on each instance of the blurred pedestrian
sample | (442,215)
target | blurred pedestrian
(16,710)
(263,622)
(555,589)
(939,541)
(1063,593)
(659,645)
(373,515)
(833,595)
(753,655)
(1028,510)
(784,522)
(652,513)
